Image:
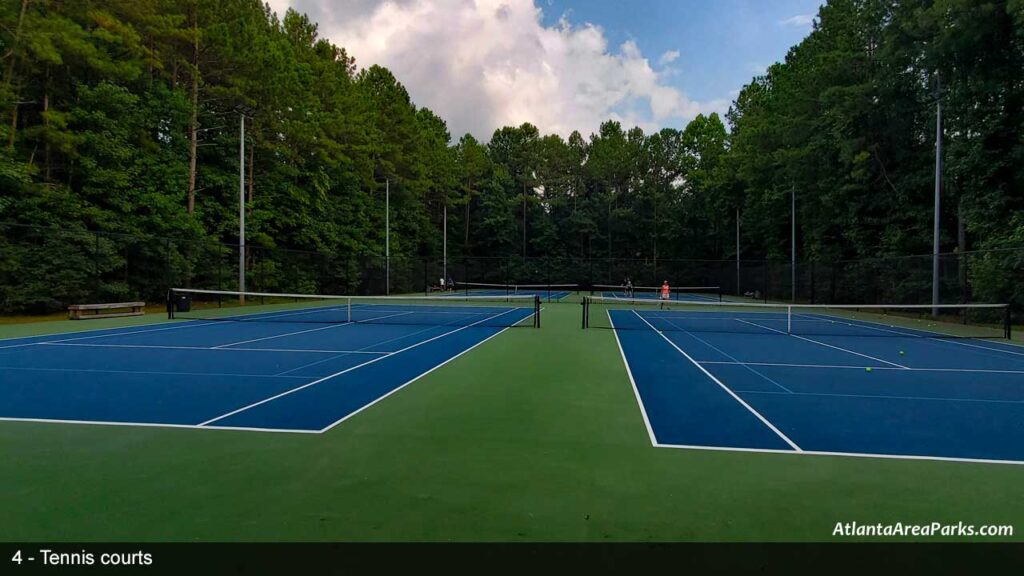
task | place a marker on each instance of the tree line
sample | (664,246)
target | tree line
(124,117)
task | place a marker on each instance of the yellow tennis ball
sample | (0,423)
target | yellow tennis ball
(868,369)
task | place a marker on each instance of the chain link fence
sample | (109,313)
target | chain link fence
(43,270)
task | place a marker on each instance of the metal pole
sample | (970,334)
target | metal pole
(938,190)
(738,291)
(241,213)
(445,242)
(387,237)
(792,258)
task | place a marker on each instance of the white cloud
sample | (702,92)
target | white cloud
(798,20)
(482,64)
(668,57)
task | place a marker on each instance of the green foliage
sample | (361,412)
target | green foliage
(98,111)
(848,122)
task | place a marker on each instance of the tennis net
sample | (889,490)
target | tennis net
(951,320)
(500,311)
(549,292)
(699,293)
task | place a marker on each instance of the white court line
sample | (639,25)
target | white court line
(844,366)
(158,347)
(332,326)
(948,341)
(258,316)
(733,358)
(186,324)
(889,397)
(200,426)
(868,324)
(357,366)
(723,386)
(632,382)
(842,454)
(376,344)
(338,325)
(824,344)
(365,406)
(151,425)
(360,351)
(825,453)
(907,331)
(18,345)
(154,323)
(150,372)
(933,339)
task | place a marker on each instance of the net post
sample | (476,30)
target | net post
(1008,320)
(789,319)
(348,308)
(584,304)
(536,311)
(170,304)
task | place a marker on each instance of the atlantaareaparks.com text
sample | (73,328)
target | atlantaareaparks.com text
(930,529)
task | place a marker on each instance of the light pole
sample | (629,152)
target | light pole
(792,257)
(241,213)
(387,236)
(938,190)
(738,291)
(445,251)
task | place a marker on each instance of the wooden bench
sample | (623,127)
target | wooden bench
(89,311)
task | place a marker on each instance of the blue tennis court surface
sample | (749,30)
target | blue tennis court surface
(752,386)
(278,375)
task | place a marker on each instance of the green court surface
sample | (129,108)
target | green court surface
(533,436)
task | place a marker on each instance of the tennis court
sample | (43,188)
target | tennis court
(547,292)
(691,293)
(786,379)
(298,364)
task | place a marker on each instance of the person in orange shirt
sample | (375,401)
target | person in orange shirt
(665,290)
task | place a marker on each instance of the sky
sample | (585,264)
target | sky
(565,65)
